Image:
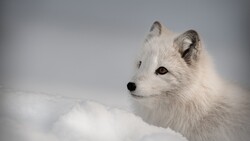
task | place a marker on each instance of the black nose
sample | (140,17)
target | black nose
(131,86)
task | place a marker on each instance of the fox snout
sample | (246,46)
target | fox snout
(131,86)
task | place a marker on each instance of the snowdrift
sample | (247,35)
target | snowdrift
(28,116)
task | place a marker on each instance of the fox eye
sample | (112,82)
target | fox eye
(139,64)
(161,71)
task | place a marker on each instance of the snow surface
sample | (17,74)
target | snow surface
(29,116)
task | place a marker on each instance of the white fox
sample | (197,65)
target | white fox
(175,85)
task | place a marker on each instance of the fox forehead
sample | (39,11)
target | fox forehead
(158,48)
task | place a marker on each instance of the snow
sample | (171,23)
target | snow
(30,116)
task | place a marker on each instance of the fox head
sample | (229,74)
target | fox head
(168,64)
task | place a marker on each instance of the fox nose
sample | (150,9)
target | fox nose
(131,86)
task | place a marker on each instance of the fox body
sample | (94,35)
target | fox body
(175,85)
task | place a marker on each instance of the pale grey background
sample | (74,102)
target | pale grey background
(92,44)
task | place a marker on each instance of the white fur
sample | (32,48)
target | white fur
(190,99)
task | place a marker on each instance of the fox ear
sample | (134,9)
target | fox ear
(156,28)
(188,45)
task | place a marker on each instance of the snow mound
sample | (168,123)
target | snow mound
(34,116)
(94,122)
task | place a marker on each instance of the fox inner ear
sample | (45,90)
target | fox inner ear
(156,28)
(188,45)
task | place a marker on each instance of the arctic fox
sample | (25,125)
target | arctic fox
(175,85)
